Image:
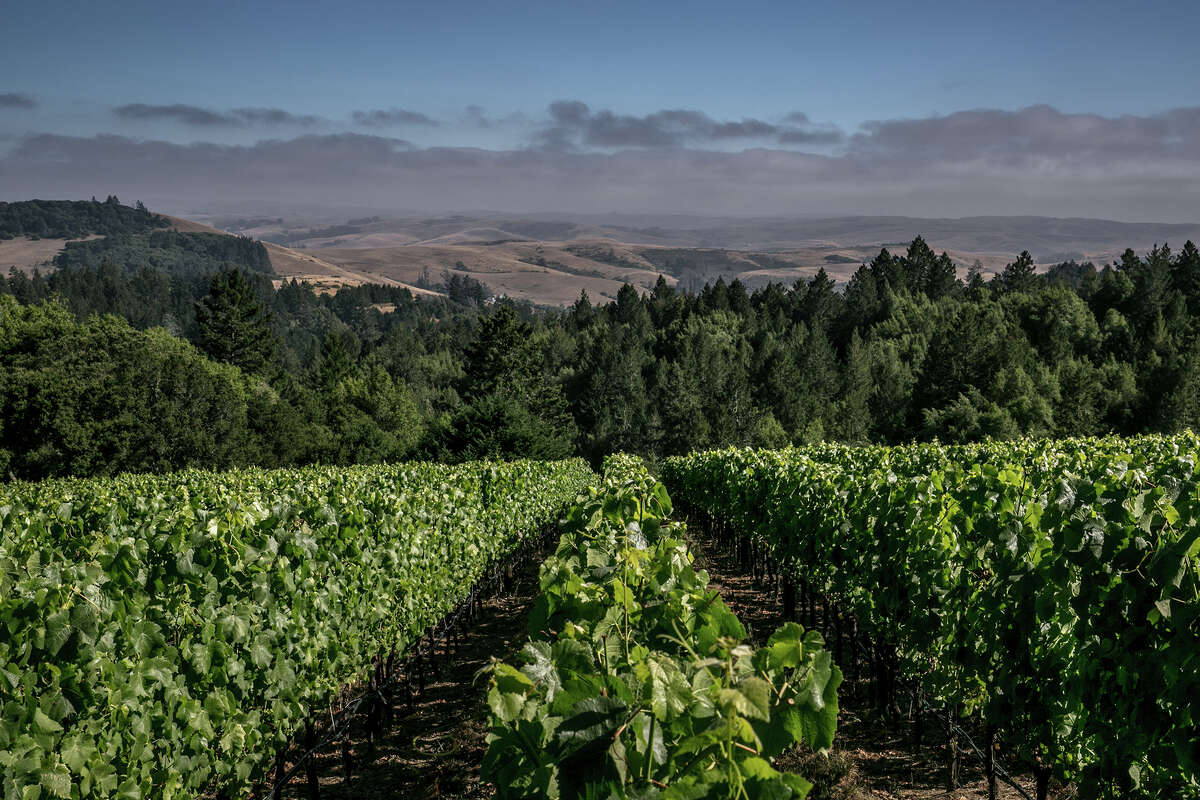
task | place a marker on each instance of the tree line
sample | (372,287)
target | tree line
(105,368)
(73,219)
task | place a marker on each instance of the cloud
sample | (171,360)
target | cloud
(274,116)
(1035,161)
(1029,135)
(392,117)
(177,112)
(816,136)
(474,116)
(573,125)
(204,117)
(17,100)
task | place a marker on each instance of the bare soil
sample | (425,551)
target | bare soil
(872,758)
(434,751)
(29,254)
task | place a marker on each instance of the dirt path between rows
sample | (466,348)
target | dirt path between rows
(870,760)
(434,751)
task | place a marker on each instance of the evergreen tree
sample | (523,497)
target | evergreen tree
(739,301)
(854,411)
(940,277)
(1019,275)
(887,270)
(514,409)
(919,266)
(335,363)
(1185,275)
(975,285)
(863,303)
(234,326)
(630,309)
(820,304)
(820,383)
(665,304)
(500,357)
(678,400)
(583,311)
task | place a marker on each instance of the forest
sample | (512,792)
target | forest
(138,358)
(71,219)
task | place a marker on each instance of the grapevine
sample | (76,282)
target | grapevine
(1050,587)
(165,635)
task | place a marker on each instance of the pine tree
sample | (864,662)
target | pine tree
(821,303)
(630,309)
(919,264)
(975,283)
(335,363)
(854,411)
(940,277)
(1019,275)
(664,304)
(234,326)
(514,409)
(583,309)
(500,357)
(1185,275)
(885,268)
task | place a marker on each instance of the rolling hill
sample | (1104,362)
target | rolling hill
(550,259)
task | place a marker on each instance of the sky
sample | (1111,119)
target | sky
(748,108)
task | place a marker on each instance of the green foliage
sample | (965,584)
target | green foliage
(75,219)
(165,635)
(1051,587)
(637,681)
(1019,275)
(904,353)
(102,398)
(513,408)
(234,326)
(171,252)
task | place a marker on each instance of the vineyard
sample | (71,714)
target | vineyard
(188,635)
(1047,590)
(638,681)
(165,636)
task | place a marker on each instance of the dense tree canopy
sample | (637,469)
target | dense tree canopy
(170,252)
(234,326)
(72,219)
(101,397)
(905,350)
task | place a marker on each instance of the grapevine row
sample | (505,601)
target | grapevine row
(165,635)
(637,681)
(1051,588)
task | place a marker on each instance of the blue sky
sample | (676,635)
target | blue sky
(144,71)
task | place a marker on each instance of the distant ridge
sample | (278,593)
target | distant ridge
(1044,237)
(550,259)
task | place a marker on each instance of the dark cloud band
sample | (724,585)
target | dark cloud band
(573,125)
(177,112)
(392,117)
(17,100)
(1036,132)
(204,117)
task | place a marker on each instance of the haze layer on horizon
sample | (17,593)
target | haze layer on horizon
(783,108)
